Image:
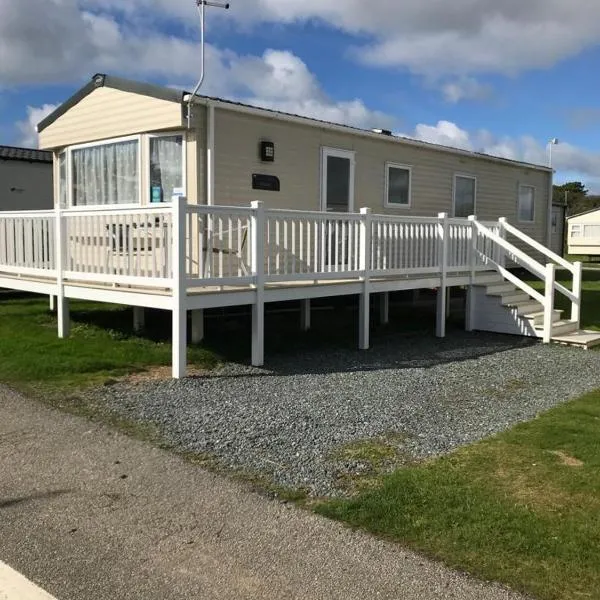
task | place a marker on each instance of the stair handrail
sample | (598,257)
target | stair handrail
(536,245)
(576,269)
(525,261)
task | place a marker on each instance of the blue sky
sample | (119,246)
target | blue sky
(503,80)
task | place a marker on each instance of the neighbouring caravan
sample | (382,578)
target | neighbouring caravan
(584,233)
(25,179)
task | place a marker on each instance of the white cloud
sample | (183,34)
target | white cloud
(59,39)
(566,158)
(280,80)
(465,88)
(78,43)
(441,37)
(27,128)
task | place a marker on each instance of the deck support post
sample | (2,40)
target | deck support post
(52,303)
(305,314)
(384,308)
(470,300)
(470,309)
(139,319)
(440,328)
(416,296)
(448,301)
(197,326)
(364,317)
(64,320)
(549,302)
(258,269)
(179,309)
(576,306)
(62,303)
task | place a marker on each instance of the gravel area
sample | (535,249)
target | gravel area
(286,420)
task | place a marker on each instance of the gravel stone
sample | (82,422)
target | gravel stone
(285,421)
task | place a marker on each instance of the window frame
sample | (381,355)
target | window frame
(532,187)
(386,199)
(576,227)
(475,190)
(327,151)
(96,144)
(148,137)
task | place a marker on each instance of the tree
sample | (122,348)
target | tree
(575,195)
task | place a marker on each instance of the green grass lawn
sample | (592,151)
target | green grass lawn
(522,508)
(590,306)
(102,345)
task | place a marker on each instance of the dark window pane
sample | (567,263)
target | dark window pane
(338,184)
(398,186)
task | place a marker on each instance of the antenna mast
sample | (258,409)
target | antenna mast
(201,5)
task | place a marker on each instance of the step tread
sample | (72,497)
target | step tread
(581,337)
(496,288)
(561,323)
(541,313)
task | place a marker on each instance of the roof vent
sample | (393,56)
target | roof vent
(382,131)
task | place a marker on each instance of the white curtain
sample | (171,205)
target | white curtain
(106,174)
(166,167)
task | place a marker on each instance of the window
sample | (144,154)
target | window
(63,194)
(106,174)
(554,221)
(465,192)
(337,183)
(575,231)
(397,186)
(166,167)
(526,210)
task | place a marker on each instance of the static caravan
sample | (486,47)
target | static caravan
(25,179)
(231,154)
(185,203)
(584,233)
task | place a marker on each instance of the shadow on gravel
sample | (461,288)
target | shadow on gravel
(407,342)
(391,353)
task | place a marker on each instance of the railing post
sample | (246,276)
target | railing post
(258,269)
(470,301)
(179,279)
(365,268)
(577,283)
(549,302)
(440,328)
(62,303)
(501,258)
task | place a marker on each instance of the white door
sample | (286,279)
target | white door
(337,184)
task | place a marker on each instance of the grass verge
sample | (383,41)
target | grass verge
(101,347)
(522,508)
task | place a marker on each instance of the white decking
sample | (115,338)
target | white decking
(184,258)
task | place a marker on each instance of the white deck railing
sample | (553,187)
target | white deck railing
(27,243)
(117,246)
(241,246)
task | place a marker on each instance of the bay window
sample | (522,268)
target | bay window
(106,174)
(127,171)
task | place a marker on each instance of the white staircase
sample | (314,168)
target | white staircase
(510,305)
